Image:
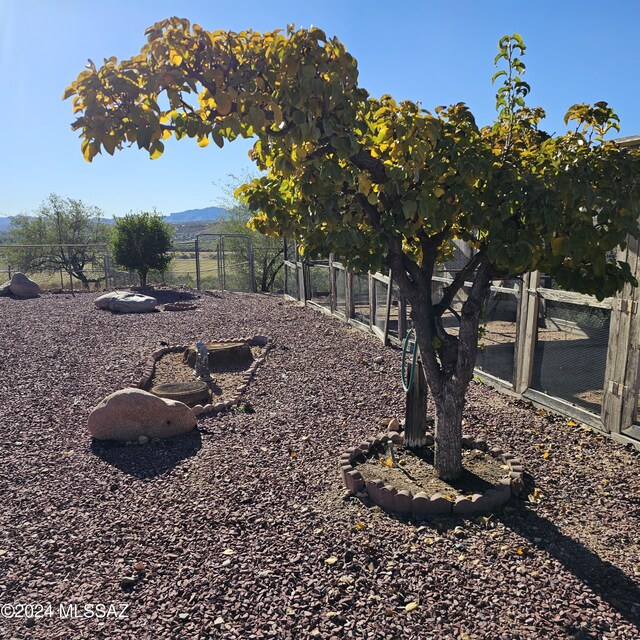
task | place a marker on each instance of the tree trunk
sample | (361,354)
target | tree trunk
(448,429)
(143,278)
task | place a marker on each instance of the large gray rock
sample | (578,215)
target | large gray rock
(126,302)
(130,413)
(5,289)
(23,287)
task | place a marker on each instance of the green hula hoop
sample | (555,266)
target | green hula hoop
(408,385)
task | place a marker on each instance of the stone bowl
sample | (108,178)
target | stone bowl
(190,393)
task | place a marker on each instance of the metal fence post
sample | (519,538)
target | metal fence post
(197,247)
(252,266)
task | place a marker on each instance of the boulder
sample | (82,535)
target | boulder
(126,302)
(23,287)
(5,289)
(130,413)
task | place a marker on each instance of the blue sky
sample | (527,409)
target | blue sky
(435,52)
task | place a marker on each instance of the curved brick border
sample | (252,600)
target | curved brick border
(421,504)
(218,407)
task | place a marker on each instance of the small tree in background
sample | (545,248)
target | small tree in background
(70,230)
(141,242)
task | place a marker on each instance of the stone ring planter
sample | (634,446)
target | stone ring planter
(420,504)
(208,409)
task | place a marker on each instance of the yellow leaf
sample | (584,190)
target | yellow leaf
(175,58)
(331,560)
(546,454)
(520,551)
(359,526)
(166,134)
(228,552)
(364,184)
(411,606)
(203,142)
(556,245)
(293,454)
(156,154)
(571,423)
(439,191)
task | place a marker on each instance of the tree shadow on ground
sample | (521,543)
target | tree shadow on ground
(606,580)
(150,460)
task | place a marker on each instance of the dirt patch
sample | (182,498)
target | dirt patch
(414,472)
(172,368)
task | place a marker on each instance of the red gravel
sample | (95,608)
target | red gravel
(234,523)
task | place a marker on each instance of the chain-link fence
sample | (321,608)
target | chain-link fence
(219,261)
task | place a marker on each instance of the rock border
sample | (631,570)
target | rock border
(184,305)
(209,409)
(420,504)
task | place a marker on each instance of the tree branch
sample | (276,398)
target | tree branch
(458,282)
(364,160)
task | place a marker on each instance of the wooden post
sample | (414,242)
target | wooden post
(349,304)
(333,297)
(621,375)
(526,332)
(372,301)
(415,423)
(387,316)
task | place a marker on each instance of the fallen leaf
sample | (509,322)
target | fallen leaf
(331,560)
(571,423)
(359,526)
(228,552)
(411,606)
(546,454)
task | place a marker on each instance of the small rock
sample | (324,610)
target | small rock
(219,621)
(378,359)
(30,622)
(126,582)
(143,440)
(393,425)
(156,440)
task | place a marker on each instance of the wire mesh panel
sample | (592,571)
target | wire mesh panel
(571,351)
(380,317)
(210,262)
(291,281)
(236,263)
(340,284)
(269,269)
(319,285)
(361,303)
(497,334)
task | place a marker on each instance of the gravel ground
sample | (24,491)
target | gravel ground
(241,530)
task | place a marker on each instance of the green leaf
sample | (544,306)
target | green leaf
(409,208)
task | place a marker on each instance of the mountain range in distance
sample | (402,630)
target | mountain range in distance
(208,214)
